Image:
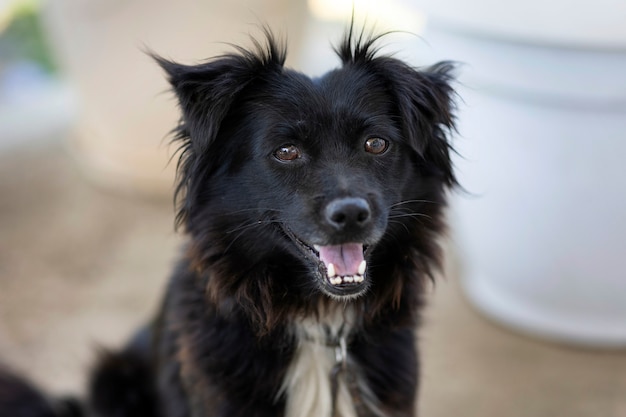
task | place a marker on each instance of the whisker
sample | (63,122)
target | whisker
(404,202)
(396,216)
(249,225)
(233,241)
(253,209)
(402,224)
(242,229)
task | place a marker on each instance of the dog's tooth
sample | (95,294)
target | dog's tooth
(331,270)
(316,247)
(348,278)
(358,278)
(362,267)
(336,280)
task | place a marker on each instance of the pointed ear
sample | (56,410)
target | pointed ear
(205,93)
(425,100)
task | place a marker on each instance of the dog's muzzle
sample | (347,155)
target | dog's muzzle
(348,230)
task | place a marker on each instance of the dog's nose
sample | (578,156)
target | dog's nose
(348,213)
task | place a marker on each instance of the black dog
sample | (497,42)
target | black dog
(313,208)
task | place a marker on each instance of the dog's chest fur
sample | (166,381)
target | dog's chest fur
(308,383)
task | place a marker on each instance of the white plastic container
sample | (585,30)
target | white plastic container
(543,125)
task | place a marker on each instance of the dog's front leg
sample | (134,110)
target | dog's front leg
(226,370)
(388,364)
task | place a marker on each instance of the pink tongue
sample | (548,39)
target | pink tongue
(346,258)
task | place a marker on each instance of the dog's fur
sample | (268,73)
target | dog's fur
(279,176)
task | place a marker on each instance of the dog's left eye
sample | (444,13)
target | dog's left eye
(287,153)
(376,146)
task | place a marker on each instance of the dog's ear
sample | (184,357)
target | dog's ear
(206,93)
(425,100)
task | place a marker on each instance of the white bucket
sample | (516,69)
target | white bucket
(543,235)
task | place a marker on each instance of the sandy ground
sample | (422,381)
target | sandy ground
(82,267)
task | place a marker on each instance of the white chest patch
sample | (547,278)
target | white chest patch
(307,384)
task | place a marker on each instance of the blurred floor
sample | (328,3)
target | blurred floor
(81,267)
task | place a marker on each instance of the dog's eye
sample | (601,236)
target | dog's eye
(287,153)
(376,146)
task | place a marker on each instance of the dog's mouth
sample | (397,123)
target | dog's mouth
(342,269)
(344,264)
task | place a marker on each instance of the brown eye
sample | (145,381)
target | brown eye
(376,146)
(287,153)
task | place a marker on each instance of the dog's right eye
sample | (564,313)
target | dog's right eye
(376,146)
(287,153)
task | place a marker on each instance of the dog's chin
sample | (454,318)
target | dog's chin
(337,281)
(343,292)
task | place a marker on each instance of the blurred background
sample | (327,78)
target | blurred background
(529,317)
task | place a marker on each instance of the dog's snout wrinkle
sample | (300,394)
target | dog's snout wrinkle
(348,213)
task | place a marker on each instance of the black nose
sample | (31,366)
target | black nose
(348,213)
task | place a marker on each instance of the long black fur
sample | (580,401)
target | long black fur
(221,344)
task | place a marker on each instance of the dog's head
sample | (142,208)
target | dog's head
(294,188)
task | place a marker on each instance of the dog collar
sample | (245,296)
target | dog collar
(342,369)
